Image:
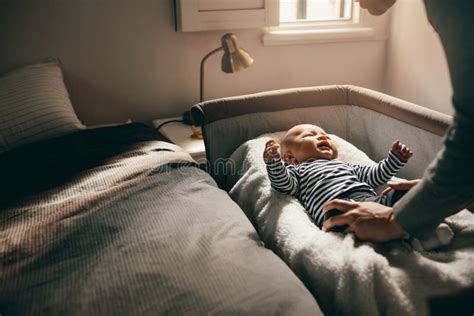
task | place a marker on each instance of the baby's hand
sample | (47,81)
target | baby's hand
(401,150)
(271,152)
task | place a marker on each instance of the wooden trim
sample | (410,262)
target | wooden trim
(189,19)
(272,13)
(192,19)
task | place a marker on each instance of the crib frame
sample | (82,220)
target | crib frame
(369,119)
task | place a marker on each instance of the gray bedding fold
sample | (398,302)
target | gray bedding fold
(165,240)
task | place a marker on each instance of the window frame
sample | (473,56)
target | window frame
(362,27)
(208,15)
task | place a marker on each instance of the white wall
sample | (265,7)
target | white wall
(417,67)
(123,59)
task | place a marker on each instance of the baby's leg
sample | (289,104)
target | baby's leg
(331,213)
(354,196)
(350,196)
(393,196)
(442,236)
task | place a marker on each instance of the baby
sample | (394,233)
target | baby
(305,165)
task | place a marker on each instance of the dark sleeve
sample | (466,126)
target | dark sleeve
(446,188)
(448,184)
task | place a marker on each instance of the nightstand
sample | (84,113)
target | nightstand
(180,134)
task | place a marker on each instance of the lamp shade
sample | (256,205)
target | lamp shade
(234,58)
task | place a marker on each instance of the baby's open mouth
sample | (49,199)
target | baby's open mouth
(324,146)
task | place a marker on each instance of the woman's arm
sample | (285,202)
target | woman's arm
(446,188)
(448,184)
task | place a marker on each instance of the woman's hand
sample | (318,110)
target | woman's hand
(369,221)
(401,185)
(376,7)
(271,152)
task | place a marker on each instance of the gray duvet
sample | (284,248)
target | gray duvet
(140,234)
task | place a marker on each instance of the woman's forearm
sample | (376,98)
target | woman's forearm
(447,186)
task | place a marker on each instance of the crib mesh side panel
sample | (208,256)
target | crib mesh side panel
(371,131)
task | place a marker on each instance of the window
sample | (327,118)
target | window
(315,10)
(285,21)
(315,21)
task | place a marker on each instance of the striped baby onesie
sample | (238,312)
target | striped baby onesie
(317,182)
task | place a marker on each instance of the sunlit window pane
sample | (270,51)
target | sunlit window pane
(288,10)
(314,10)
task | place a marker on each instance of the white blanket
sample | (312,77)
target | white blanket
(345,275)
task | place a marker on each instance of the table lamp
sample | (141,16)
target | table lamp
(234,59)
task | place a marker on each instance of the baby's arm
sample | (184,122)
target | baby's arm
(381,172)
(282,179)
(401,151)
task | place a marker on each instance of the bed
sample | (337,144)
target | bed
(345,275)
(118,221)
(115,220)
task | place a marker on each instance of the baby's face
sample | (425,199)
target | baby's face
(307,142)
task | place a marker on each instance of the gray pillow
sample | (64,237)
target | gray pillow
(34,105)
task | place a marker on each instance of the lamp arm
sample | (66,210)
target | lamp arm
(203,61)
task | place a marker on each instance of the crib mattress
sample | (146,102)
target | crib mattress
(345,275)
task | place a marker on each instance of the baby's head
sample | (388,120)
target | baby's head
(307,142)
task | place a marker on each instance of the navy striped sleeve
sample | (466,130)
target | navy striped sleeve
(381,172)
(283,179)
